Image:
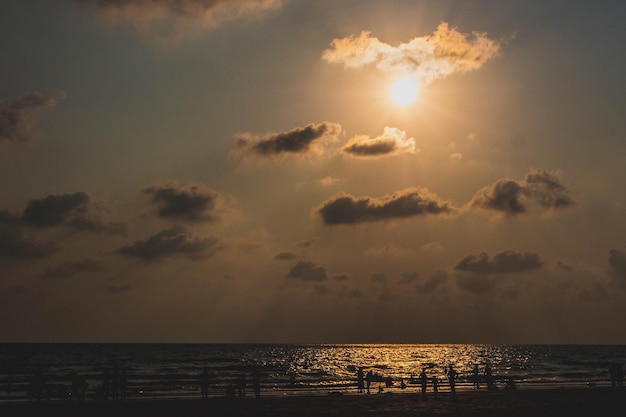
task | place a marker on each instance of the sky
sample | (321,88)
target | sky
(248,171)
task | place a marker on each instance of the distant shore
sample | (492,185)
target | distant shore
(573,401)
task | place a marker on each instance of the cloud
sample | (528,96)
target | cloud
(379,278)
(476,284)
(184,202)
(285,256)
(70,269)
(617,264)
(435,281)
(307,271)
(344,208)
(512,197)
(173,20)
(301,141)
(18,116)
(503,262)
(409,277)
(329,180)
(393,141)
(425,59)
(14,245)
(74,210)
(168,243)
(307,243)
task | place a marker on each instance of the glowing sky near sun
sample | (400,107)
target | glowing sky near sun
(282,171)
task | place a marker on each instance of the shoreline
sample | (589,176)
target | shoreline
(467,403)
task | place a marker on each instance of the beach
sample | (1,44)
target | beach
(573,401)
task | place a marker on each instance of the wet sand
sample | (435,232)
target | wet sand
(541,402)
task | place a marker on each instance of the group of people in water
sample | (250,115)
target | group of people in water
(113,387)
(364,381)
(232,390)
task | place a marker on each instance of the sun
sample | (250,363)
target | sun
(403,92)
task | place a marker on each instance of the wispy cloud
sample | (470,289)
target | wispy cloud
(307,271)
(503,262)
(392,142)
(18,115)
(344,208)
(300,141)
(425,59)
(511,197)
(169,21)
(70,269)
(14,245)
(174,241)
(617,264)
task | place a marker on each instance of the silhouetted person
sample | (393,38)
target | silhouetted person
(204,383)
(619,374)
(435,386)
(38,385)
(123,384)
(491,386)
(115,384)
(230,391)
(452,375)
(256,383)
(368,379)
(360,383)
(75,387)
(423,382)
(241,385)
(476,377)
(613,374)
(105,389)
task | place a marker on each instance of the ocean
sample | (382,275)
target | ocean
(173,370)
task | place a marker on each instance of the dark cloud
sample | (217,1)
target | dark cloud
(18,116)
(507,261)
(184,202)
(170,242)
(307,271)
(285,256)
(476,284)
(409,277)
(617,263)
(435,281)
(299,141)
(307,243)
(55,209)
(341,277)
(173,20)
(14,245)
(346,209)
(513,197)
(7,217)
(75,210)
(70,269)
(393,141)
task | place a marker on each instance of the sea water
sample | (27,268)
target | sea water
(173,370)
